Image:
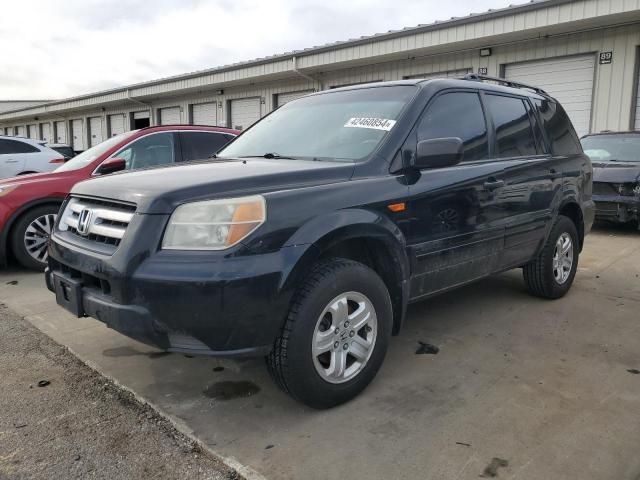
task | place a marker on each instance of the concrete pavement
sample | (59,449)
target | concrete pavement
(521,387)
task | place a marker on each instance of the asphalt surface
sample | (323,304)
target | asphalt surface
(517,387)
(60,419)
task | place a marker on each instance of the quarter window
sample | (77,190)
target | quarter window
(457,114)
(514,135)
(556,123)
(149,151)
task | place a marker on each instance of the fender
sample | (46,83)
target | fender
(4,234)
(323,232)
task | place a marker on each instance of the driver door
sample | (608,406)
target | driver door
(457,226)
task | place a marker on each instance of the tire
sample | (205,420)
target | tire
(310,377)
(39,221)
(541,276)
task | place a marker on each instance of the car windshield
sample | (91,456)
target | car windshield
(341,126)
(612,148)
(85,158)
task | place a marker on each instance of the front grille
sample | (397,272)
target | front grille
(98,221)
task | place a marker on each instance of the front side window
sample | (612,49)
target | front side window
(457,114)
(13,146)
(201,145)
(149,151)
(337,126)
(514,135)
(88,156)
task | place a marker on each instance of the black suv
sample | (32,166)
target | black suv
(306,238)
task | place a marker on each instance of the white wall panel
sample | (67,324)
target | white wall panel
(95,131)
(60,131)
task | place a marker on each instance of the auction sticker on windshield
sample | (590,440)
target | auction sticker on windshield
(369,122)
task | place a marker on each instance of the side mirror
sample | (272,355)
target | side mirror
(439,152)
(111,165)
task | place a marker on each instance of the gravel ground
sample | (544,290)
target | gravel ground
(60,419)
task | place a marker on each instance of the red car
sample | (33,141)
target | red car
(29,204)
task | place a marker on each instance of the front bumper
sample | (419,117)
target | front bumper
(617,208)
(210,303)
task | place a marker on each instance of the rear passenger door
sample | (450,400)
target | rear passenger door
(457,226)
(530,178)
(201,145)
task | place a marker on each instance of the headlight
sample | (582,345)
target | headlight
(4,189)
(214,224)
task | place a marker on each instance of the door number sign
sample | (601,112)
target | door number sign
(606,58)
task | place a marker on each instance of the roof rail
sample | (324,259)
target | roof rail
(502,81)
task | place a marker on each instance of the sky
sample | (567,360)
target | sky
(55,49)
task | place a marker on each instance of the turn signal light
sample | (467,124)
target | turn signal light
(397,207)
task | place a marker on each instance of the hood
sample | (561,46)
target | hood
(616,172)
(160,190)
(32,178)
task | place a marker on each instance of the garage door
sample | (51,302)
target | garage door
(283,98)
(204,114)
(32,131)
(21,131)
(569,79)
(77,138)
(60,132)
(116,124)
(46,132)
(169,116)
(637,123)
(446,74)
(244,112)
(95,131)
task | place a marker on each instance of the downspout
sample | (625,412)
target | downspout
(152,114)
(304,75)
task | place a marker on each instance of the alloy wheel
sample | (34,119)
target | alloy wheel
(344,337)
(563,258)
(36,236)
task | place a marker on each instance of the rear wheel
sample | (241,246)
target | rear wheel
(551,274)
(336,335)
(31,234)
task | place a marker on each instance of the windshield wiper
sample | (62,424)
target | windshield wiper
(269,155)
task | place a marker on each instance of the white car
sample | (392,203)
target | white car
(20,155)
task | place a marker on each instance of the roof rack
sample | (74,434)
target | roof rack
(507,83)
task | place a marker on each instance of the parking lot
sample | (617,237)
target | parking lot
(520,388)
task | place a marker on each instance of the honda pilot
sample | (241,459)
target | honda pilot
(307,237)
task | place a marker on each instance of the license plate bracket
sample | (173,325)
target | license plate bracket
(69,294)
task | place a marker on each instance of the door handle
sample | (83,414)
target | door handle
(11,160)
(492,184)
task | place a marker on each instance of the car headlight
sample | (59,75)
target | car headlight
(214,224)
(4,189)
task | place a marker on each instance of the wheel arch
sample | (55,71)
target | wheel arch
(570,208)
(360,235)
(5,234)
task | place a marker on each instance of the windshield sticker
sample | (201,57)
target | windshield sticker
(367,122)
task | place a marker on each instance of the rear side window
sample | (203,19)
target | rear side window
(560,132)
(514,134)
(201,145)
(13,146)
(457,114)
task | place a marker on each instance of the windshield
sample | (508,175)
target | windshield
(341,126)
(85,158)
(612,148)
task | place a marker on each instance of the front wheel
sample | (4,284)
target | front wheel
(551,273)
(31,234)
(335,336)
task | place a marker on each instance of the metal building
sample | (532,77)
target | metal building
(584,52)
